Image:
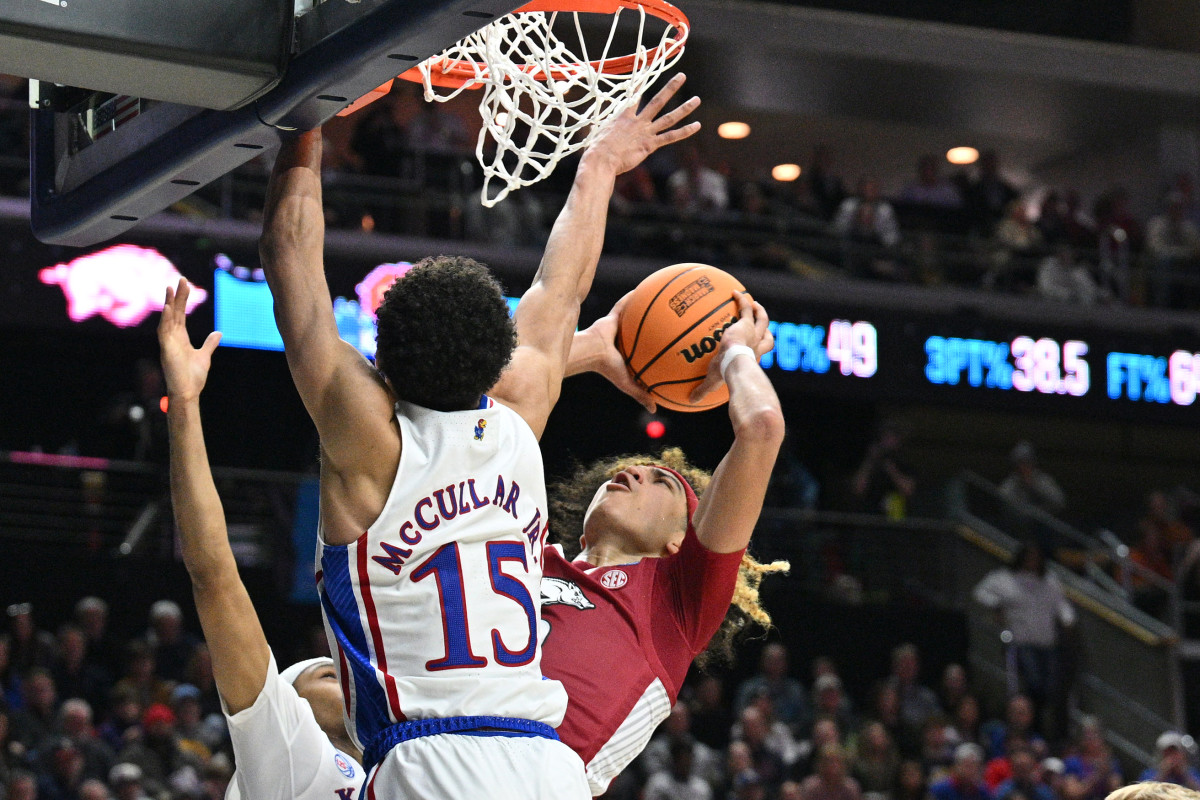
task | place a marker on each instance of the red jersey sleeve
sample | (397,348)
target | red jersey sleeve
(692,593)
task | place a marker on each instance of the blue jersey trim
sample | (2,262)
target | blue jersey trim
(484,402)
(342,615)
(381,744)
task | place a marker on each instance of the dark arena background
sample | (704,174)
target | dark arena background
(976,229)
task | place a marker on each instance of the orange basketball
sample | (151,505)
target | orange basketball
(671,327)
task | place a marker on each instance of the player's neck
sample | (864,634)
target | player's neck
(343,743)
(610,553)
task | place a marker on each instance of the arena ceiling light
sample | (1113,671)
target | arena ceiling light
(733,130)
(785,172)
(962,155)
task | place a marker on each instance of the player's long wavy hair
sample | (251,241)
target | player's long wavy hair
(569,501)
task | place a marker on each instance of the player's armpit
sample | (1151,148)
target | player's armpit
(529,386)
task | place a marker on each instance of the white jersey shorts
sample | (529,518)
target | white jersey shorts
(459,766)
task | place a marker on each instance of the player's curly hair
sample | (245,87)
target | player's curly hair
(569,501)
(445,334)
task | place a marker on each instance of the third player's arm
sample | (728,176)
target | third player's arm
(350,405)
(548,313)
(231,627)
(729,509)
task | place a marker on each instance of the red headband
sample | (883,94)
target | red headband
(689,492)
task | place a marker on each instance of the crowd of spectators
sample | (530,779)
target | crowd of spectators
(402,165)
(84,716)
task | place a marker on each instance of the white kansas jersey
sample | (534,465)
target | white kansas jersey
(433,612)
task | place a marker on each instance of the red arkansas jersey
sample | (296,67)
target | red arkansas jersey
(621,638)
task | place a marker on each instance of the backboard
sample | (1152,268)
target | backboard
(102,161)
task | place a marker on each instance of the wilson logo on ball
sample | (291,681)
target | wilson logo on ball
(705,345)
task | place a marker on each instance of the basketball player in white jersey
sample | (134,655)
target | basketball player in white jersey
(433,501)
(659,567)
(289,741)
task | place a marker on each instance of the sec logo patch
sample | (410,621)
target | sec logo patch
(343,764)
(614,579)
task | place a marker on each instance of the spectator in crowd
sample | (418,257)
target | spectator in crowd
(1029,602)
(876,760)
(967,720)
(867,227)
(1062,277)
(1173,766)
(711,718)
(94,789)
(825,731)
(658,756)
(965,781)
(930,188)
(954,687)
(763,727)
(917,702)
(157,753)
(196,735)
(1173,249)
(832,780)
(140,677)
(679,781)
(830,702)
(126,782)
(824,185)
(1029,486)
(29,646)
(22,785)
(1156,560)
(1026,777)
(989,194)
(1120,239)
(1017,240)
(133,425)
(380,142)
(1174,534)
(883,482)
(1054,773)
(788,700)
(199,673)
(103,651)
(695,187)
(1019,721)
(124,718)
(911,782)
(74,674)
(1093,771)
(10,677)
(62,773)
(173,647)
(33,724)
(75,724)
(938,742)
(886,711)
(767,755)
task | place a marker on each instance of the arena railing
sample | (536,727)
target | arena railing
(1115,646)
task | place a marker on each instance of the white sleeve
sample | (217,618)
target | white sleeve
(994,589)
(1066,611)
(281,752)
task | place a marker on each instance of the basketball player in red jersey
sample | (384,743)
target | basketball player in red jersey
(659,566)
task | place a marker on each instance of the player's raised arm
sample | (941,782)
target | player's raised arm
(239,649)
(344,395)
(548,313)
(729,509)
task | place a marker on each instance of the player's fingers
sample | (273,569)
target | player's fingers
(761,319)
(765,345)
(675,115)
(210,343)
(745,306)
(664,94)
(181,294)
(677,135)
(709,383)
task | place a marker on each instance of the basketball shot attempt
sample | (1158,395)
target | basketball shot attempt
(433,501)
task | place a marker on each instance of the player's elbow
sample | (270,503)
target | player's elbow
(763,425)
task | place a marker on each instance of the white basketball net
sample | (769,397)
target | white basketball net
(542,98)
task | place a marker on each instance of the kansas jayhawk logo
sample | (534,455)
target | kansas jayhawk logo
(556,590)
(479,426)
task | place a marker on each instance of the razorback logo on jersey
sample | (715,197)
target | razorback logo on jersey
(556,591)
(614,579)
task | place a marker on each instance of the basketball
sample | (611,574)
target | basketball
(670,328)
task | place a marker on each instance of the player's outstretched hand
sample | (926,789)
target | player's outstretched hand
(751,329)
(610,363)
(184,367)
(629,137)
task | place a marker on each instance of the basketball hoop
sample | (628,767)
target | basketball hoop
(544,96)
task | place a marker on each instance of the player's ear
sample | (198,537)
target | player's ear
(675,543)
